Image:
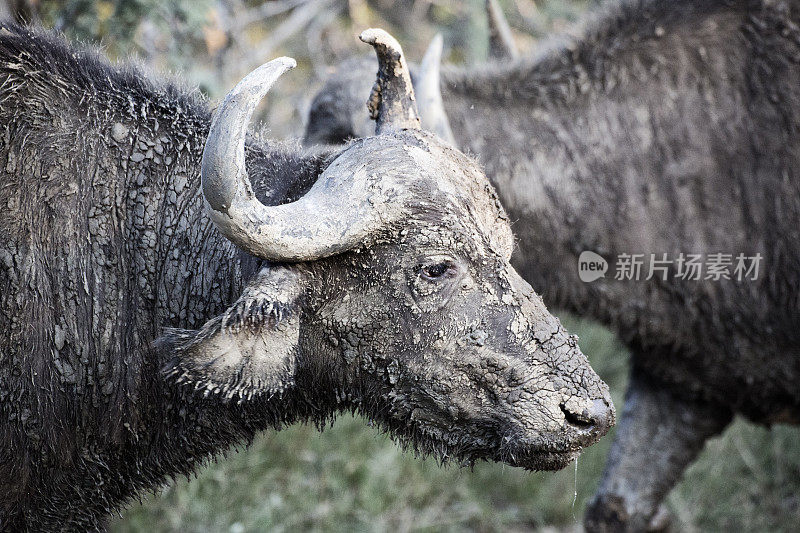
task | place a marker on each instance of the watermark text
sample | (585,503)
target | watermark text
(715,266)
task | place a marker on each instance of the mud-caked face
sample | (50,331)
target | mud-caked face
(387,288)
(440,339)
(424,326)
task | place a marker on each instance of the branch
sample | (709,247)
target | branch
(298,20)
(22,11)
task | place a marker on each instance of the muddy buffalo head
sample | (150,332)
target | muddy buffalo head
(387,289)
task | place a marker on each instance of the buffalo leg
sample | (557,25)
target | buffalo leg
(659,435)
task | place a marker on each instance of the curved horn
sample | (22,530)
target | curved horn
(332,217)
(391,103)
(501,42)
(429,93)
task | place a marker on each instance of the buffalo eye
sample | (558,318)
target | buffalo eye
(435,275)
(438,270)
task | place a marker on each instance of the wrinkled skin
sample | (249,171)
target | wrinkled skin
(661,128)
(470,357)
(430,331)
(105,242)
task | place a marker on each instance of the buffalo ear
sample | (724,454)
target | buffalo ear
(249,350)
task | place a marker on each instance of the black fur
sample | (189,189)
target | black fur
(104,239)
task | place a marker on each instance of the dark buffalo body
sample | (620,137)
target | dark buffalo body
(663,128)
(667,128)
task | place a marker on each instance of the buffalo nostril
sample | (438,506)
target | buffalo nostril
(580,420)
(597,416)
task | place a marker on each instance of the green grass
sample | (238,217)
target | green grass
(746,480)
(351,477)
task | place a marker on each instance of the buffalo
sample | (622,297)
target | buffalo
(169,287)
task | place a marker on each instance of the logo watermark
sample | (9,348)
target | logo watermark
(591,266)
(687,267)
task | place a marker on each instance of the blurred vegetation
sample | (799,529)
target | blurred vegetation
(350,477)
